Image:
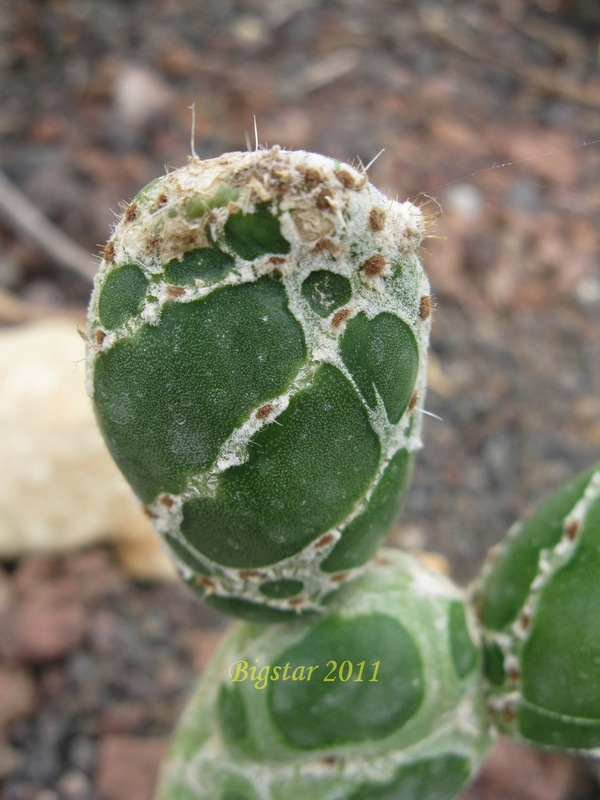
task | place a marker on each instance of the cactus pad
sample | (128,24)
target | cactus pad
(379,698)
(258,335)
(539,601)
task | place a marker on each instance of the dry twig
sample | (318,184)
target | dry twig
(20,213)
(438,24)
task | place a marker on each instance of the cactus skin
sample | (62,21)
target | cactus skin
(419,731)
(257,347)
(539,601)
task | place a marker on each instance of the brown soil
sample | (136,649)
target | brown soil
(489,115)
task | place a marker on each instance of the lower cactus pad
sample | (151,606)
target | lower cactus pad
(379,698)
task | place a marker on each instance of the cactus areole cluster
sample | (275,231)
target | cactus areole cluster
(258,335)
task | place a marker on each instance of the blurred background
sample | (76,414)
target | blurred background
(488,115)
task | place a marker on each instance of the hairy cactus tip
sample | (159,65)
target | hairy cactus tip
(379,698)
(257,352)
(538,601)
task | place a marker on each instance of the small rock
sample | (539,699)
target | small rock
(73,785)
(52,681)
(103,629)
(466,200)
(515,771)
(97,576)
(587,291)
(201,645)
(121,718)
(128,767)
(17,694)
(35,632)
(524,196)
(44,745)
(82,753)
(140,95)
(36,572)
(249,29)
(10,760)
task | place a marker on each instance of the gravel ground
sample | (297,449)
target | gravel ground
(489,114)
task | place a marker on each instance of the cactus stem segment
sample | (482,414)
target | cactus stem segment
(258,355)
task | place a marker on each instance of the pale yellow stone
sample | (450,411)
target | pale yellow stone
(59,487)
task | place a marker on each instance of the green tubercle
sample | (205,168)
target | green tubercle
(538,600)
(251,235)
(206,264)
(380,697)
(326,291)
(258,334)
(123,296)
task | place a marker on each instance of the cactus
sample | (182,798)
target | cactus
(258,334)
(538,601)
(379,698)
(257,346)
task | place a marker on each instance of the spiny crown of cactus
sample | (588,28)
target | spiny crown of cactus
(258,334)
(378,698)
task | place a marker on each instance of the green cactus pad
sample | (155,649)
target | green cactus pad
(253,235)
(366,702)
(147,385)
(538,600)
(206,264)
(364,533)
(326,291)
(382,357)
(122,296)
(257,366)
(247,524)
(437,778)
(315,715)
